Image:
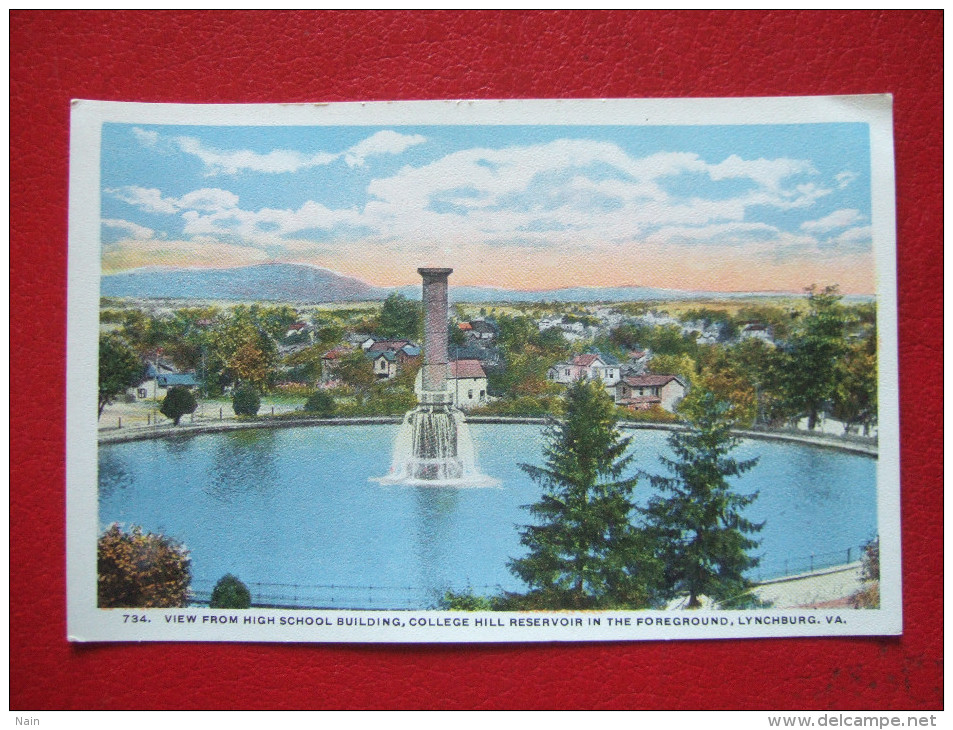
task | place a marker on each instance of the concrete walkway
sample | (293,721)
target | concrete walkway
(822,588)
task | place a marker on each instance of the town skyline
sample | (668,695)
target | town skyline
(717,208)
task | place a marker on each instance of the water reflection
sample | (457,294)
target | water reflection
(114,473)
(435,508)
(243,462)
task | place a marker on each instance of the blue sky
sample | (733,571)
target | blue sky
(740,207)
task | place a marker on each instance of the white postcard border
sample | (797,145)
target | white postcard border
(88,623)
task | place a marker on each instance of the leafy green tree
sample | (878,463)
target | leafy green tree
(119,369)
(246,401)
(696,520)
(230,592)
(400,318)
(357,372)
(177,402)
(584,551)
(320,403)
(141,570)
(814,351)
(855,391)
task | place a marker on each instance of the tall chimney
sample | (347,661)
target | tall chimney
(434,374)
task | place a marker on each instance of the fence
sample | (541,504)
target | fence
(772,569)
(370,598)
(363,597)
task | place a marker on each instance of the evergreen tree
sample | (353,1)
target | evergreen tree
(246,401)
(696,521)
(178,402)
(814,352)
(584,551)
(230,592)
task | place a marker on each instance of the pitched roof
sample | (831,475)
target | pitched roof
(336,353)
(167,381)
(640,381)
(466,369)
(465,326)
(585,360)
(382,345)
(480,325)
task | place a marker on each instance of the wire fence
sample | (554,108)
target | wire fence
(370,598)
(780,568)
(357,597)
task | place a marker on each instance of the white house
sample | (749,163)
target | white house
(466,381)
(589,365)
(756,331)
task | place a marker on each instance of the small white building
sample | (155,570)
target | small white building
(466,381)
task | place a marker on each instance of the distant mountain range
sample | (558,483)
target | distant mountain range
(312,285)
(264,282)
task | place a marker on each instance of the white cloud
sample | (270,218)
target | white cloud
(586,186)
(231,162)
(384,142)
(845,178)
(838,219)
(150,200)
(130,229)
(208,199)
(146,137)
(852,236)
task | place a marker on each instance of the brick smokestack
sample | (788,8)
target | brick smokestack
(434,375)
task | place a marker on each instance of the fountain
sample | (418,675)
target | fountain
(433,446)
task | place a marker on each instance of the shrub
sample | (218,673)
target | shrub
(320,403)
(177,402)
(230,592)
(466,601)
(141,570)
(869,595)
(246,401)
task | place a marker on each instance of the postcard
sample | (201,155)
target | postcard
(483,371)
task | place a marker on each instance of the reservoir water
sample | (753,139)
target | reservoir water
(294,513)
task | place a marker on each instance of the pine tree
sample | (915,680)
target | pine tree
(696,521)
(584,551)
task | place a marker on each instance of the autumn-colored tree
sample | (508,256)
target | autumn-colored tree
(248,364)
(141,570)
(729,387)
(855,392)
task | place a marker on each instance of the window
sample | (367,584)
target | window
(470,394)
(482,394)
(141,392)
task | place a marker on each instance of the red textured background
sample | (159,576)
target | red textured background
(320,56)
